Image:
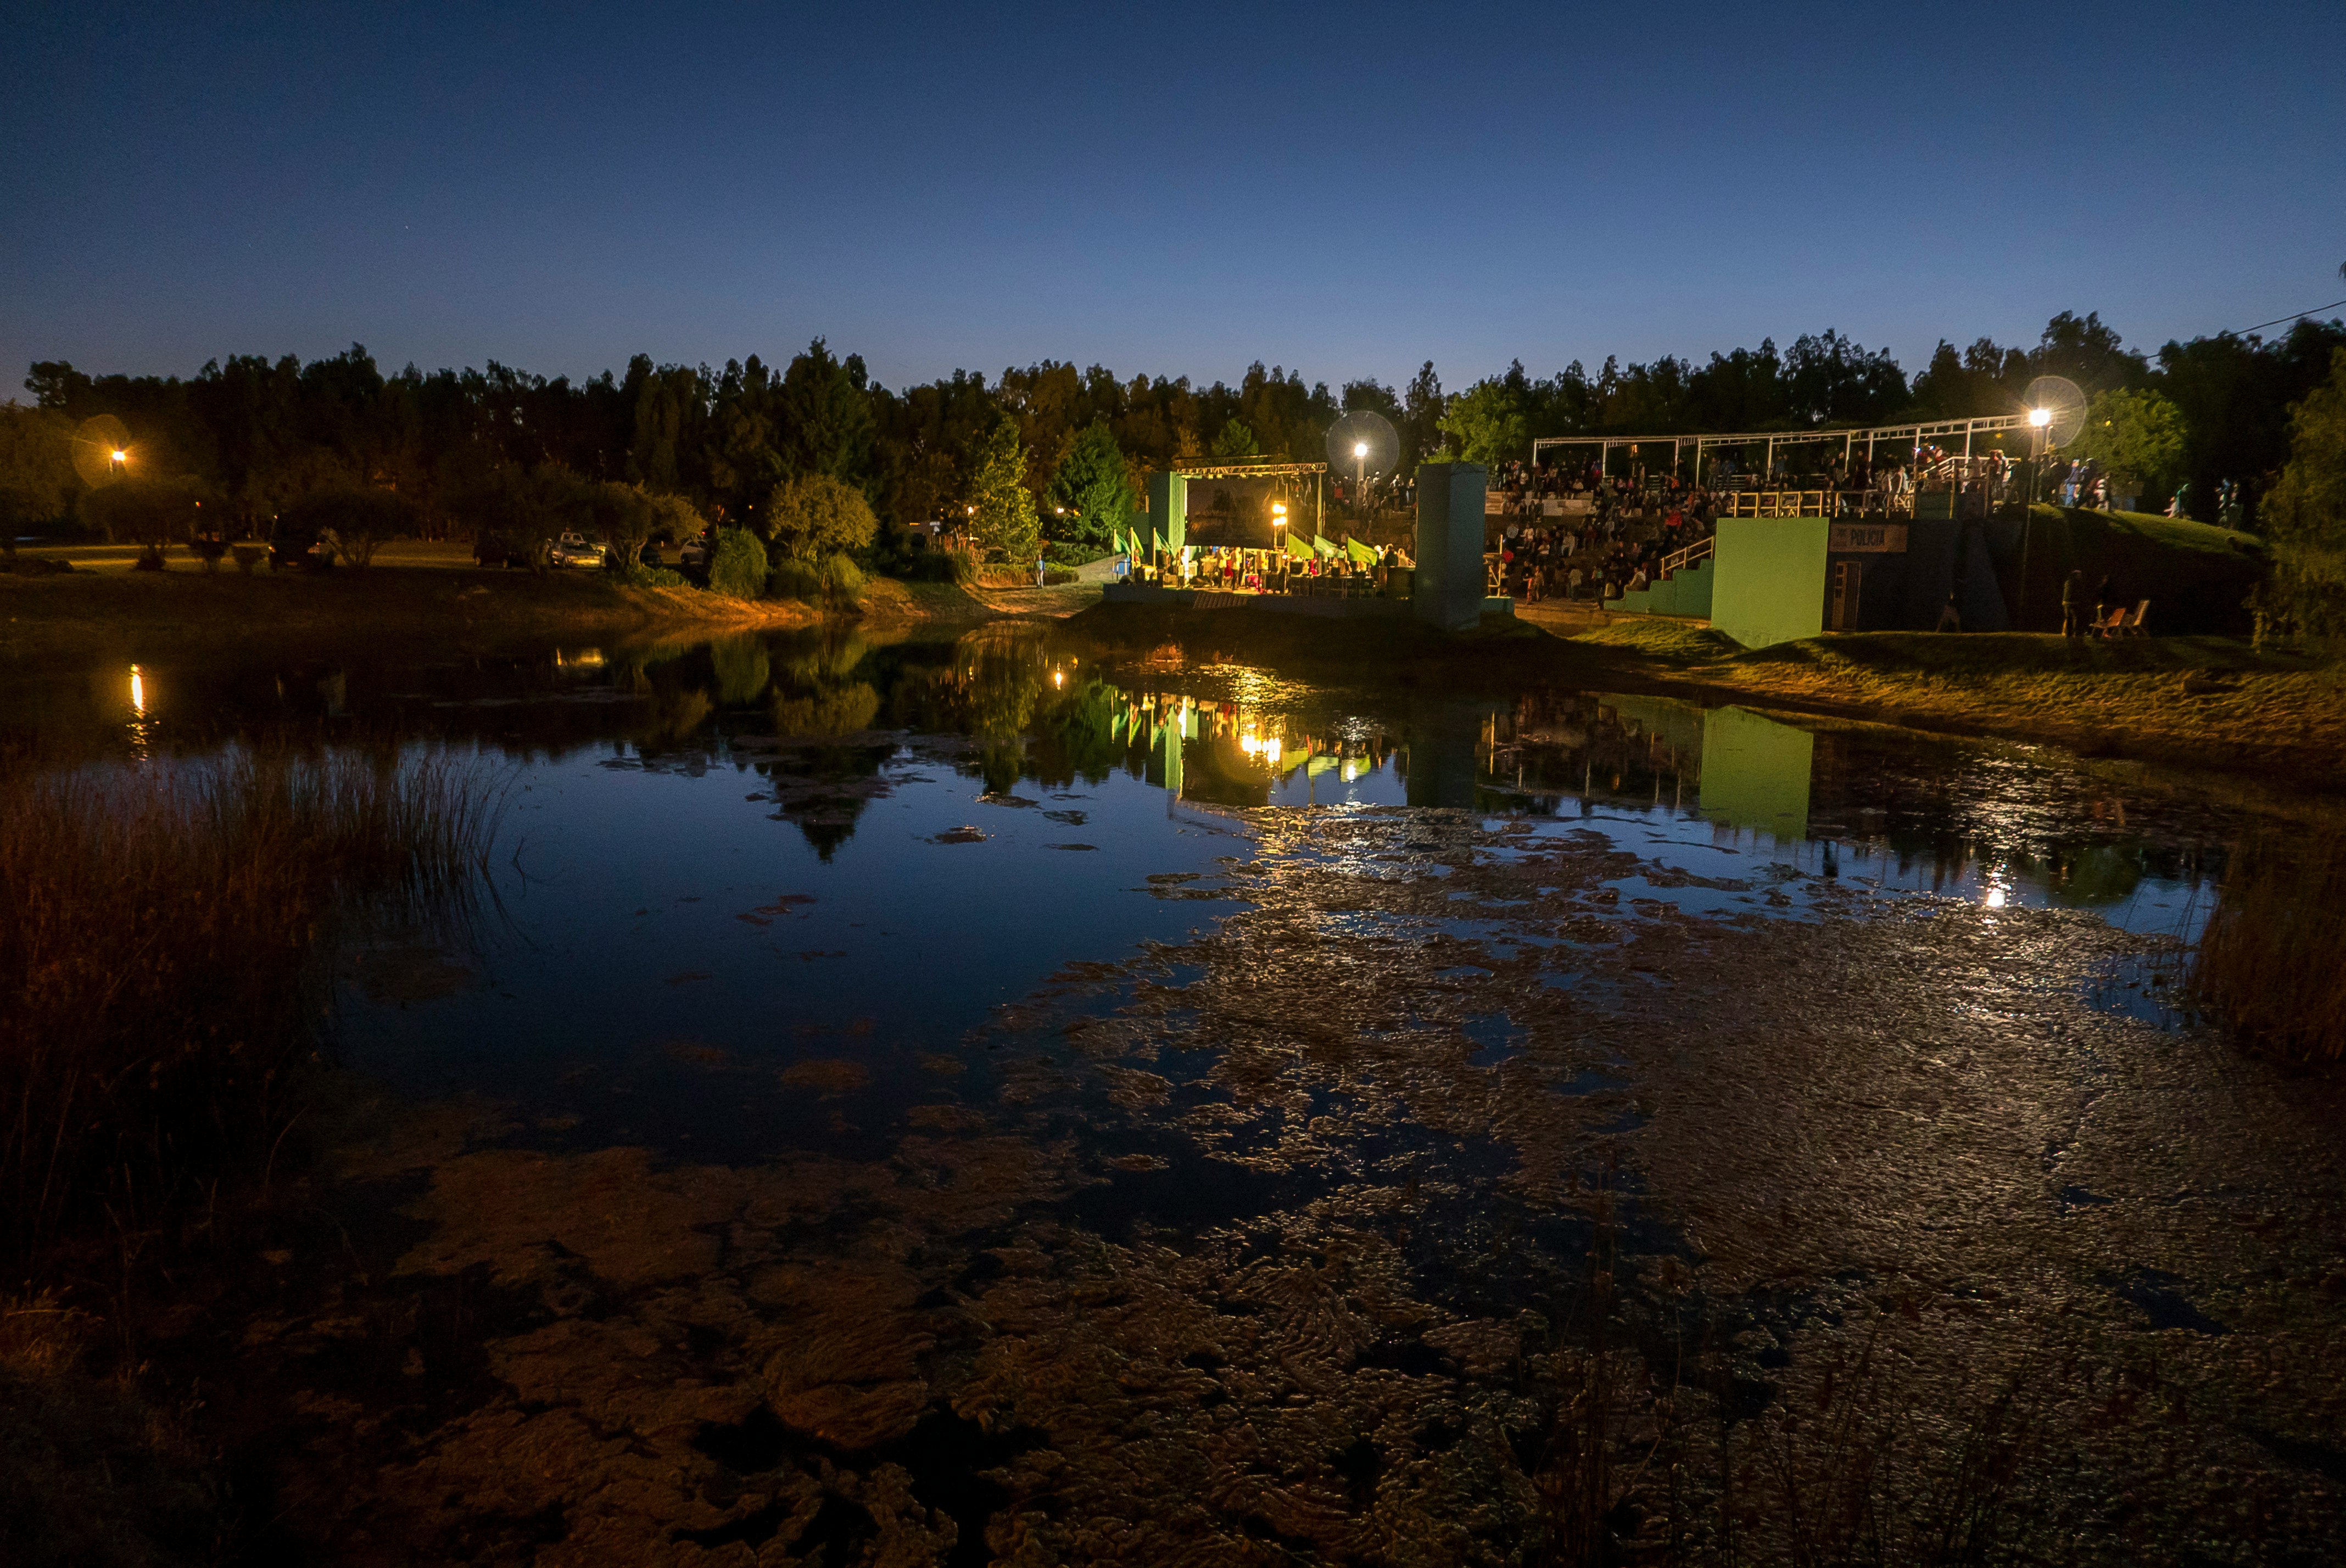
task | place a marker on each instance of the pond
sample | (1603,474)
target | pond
(1005,1097)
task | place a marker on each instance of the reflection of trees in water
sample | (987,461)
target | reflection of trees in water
(741,669)
(1031,713)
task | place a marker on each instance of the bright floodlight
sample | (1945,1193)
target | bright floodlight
(101,451)
(2056,409)
(1362,442)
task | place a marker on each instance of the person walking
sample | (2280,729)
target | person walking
(2073,603)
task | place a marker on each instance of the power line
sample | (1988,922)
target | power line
(2277,320)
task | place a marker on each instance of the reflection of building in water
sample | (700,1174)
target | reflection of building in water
(1755,773)
(1829,803)
(1234,754)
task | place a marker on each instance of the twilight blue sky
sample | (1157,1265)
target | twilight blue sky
(1346,190)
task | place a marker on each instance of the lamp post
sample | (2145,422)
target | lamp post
(1359,477)
(2040,421)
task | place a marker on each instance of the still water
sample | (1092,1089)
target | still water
(1001,1098)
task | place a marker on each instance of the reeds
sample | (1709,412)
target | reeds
(165,937)
(2272,962)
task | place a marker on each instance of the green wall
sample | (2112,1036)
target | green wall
(1768,579)
(1168,508)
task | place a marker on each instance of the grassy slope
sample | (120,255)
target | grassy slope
(2210,700)
(2195,575)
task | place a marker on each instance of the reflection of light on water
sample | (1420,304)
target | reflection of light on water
(1996,898)
(141,726)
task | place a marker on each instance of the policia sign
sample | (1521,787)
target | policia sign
(1867,538)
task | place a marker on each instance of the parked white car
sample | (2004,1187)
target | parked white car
(574,550)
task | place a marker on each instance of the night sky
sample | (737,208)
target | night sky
(1345,190)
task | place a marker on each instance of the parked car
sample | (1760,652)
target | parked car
(694,556)
(576,550)
(491,548)
(293,546)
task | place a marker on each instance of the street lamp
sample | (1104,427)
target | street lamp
(1359,474)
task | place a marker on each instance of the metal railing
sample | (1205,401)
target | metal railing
(1814,504)
(1679,560)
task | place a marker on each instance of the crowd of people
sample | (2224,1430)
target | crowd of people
(1241,568)
(1604,536)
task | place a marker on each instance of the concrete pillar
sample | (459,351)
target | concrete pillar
(1448,588)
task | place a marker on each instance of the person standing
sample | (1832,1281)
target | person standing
(2073,603)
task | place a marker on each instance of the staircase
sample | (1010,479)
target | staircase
(1684,589)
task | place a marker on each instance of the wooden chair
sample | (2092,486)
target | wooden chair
(2110,626)
(2133,628)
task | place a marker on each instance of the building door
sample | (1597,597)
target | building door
(1846,577)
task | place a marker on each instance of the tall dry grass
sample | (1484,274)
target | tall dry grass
(2272,962)
(165,939)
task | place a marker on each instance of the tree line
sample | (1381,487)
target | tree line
(1048,450)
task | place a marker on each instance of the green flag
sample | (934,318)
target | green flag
(1297,550)
(1362,555)
(1324,546)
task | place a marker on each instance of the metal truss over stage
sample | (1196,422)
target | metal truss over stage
(1244,469)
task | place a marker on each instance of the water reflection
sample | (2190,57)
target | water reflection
(819,718)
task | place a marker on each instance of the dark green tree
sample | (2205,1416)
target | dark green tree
(1421,420)
(1234,439)
(827,424)
(2306,512)
(1093,487)
(1002,520)
(38,483)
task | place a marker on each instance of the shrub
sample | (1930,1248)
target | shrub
(1052,576)
(737,568)
(815,515)
(353,523)
(792,578)
(943,563)
(643,576)
(842,583)
(153,514)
